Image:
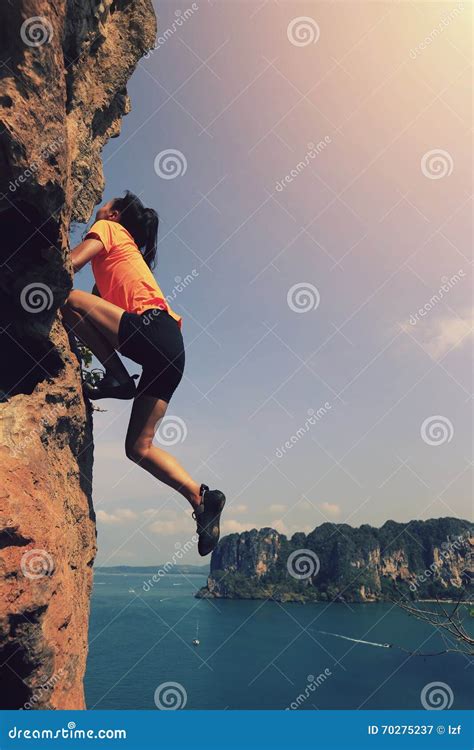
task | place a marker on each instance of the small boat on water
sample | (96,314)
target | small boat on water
(196,641)
(131,591)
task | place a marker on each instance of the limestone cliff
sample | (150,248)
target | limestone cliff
(63,73)
(338,562)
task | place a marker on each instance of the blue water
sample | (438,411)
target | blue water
(255,654)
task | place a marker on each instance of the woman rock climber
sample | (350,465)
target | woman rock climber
(131,316)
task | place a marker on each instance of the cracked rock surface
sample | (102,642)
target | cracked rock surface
(63,74)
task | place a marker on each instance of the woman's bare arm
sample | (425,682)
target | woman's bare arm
(84,252)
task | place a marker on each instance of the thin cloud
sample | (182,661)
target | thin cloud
(277,508)
(439,335)
(172,527)
(119,517)
(237,509)
(232,526)
(330,509)
(448,333)
(279,525)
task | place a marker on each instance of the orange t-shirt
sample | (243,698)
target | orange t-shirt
(121,273)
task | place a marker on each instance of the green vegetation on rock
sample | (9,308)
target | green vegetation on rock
(423,559)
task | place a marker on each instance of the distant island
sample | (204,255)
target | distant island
(336,562)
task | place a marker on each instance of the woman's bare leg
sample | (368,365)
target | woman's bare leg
(97,343)
(87,316)
(146,413)
(96,322)
(105,316)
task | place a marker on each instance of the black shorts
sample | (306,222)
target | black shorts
(153,340)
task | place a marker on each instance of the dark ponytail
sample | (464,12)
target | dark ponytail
(141,222)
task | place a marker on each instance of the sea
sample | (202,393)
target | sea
(260,654)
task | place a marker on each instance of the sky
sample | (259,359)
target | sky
(310,166)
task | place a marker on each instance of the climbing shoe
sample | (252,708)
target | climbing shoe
(110,387)
(207,516)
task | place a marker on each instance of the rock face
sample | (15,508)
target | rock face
(338,562)
(252,553)
(65,64)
